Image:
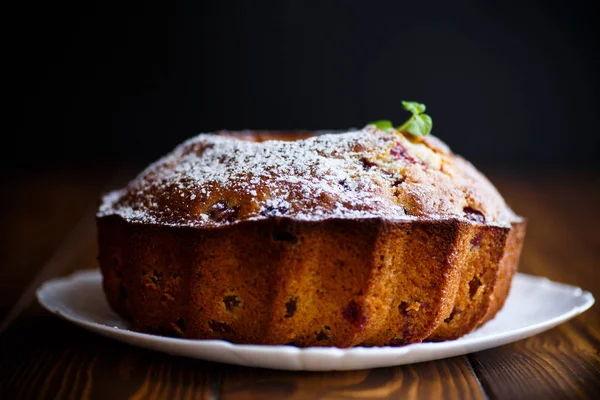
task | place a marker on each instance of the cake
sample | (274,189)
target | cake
(371,237)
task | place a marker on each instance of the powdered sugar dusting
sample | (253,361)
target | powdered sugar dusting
(212,180)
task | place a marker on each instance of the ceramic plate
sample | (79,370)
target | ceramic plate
(79,299)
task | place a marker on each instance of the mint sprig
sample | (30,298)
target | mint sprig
(419,124)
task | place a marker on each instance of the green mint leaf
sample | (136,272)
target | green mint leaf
(419,125)
(384,125)
(414,107)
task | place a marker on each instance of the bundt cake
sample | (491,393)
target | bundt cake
(371,237)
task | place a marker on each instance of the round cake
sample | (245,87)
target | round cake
(371,237)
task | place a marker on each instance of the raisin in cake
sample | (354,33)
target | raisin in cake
(360,238)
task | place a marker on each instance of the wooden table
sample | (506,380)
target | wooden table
(49,231)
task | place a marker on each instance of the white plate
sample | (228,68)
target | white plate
(534,305)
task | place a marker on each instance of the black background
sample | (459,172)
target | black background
(509,85)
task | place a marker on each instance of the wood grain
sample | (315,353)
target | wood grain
(562,244)
(555,364)
(37,212)
(445,379)
(43,357)
(69,363)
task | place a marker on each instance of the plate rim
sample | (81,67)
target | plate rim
(499,338)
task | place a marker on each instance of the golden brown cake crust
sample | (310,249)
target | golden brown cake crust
(364,238)
(214,180)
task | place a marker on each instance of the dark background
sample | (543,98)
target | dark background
(509,85)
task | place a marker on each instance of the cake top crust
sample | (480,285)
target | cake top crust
(218,179)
